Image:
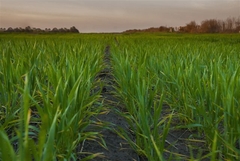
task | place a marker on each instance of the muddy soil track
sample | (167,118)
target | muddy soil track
(178,141)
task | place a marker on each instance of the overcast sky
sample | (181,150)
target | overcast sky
(112,15)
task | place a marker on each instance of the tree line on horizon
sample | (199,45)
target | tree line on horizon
(29,29)
(229,25)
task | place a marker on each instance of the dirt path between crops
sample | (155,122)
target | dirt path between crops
(117,148)
(180,144)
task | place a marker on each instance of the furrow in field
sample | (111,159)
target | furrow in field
(117,148)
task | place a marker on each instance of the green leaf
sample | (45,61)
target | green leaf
(6,149)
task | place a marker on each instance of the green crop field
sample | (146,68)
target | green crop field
(178,93)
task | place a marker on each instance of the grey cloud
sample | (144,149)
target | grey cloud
(114,15)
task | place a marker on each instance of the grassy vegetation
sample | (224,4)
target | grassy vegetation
(49,93)
(197,76)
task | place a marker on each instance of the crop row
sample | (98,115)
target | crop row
(198,80)
(48,94)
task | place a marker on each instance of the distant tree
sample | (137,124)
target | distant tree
(10,29)
(152,29)
(61,30)
(74,29)
(47,30)
(55,30)
(17,29)
(237,24)
(192,27)
(66,30)
(28,29)
(182,29)
(21,29)
(221,25)
(163,29)
(229,24)
(171,29)
(38,30)
(176,29)
(210,26)
(2,29)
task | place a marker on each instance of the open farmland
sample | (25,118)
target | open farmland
(119,97)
